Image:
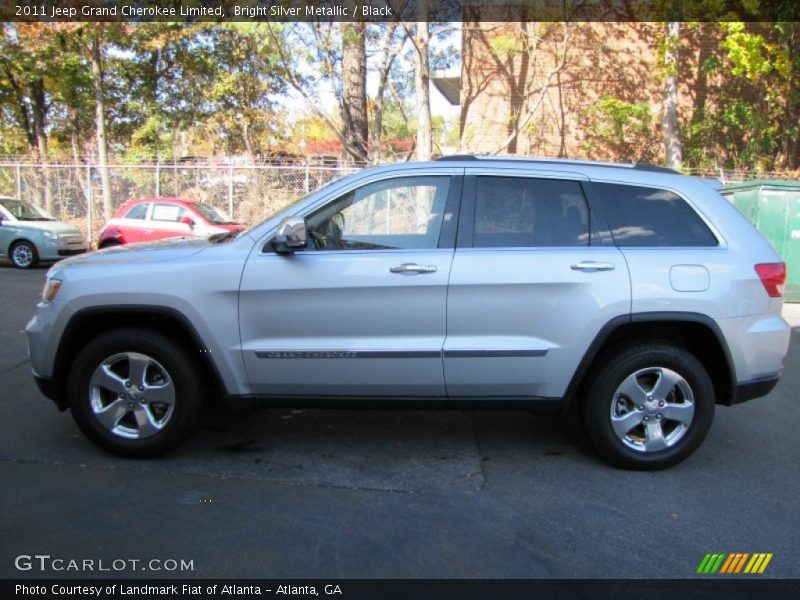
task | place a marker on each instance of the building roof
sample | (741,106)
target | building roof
(448,85)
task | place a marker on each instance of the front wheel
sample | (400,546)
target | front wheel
(649,406)
(135,392)
(24,256)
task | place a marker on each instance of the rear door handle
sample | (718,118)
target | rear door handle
(590,265)
(413,269)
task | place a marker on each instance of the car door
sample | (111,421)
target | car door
(7,230)
(165,222)
(135,224)
(362,311)
(534,279)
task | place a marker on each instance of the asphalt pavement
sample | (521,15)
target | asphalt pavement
(388,494)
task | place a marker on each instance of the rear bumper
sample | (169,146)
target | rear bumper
(755,388)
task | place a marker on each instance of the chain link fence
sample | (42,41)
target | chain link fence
(73,193)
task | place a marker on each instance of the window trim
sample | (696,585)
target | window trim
(447,235)
(722,243)
(598,233)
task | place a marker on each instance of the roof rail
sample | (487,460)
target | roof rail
(564,161)
(456,157)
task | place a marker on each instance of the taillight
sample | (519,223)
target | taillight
(773,276)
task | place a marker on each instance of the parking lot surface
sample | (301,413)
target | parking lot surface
(362,494)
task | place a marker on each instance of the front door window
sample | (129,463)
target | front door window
(402,213)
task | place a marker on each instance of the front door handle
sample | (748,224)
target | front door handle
(590,265)
(412,269)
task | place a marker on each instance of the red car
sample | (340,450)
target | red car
(151,219)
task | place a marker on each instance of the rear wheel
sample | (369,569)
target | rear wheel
(109,244)
(649,406)
(23,255)
(135,392)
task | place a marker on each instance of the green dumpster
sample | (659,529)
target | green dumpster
(773,206)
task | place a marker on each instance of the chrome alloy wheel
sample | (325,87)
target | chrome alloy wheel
(22,255)
(132,395)
(652,409)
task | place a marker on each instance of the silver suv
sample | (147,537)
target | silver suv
(639,296)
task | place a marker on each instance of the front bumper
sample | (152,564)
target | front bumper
(56,249)
(51,389)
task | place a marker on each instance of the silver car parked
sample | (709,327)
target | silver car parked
(28,234)
(635,295)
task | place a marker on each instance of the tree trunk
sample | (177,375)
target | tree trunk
(75,144)
(673,151)
(422,77)
(354,105)
(96,60)
(39,110)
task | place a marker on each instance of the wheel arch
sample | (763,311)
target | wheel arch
(87,324)
(110,235)
(17,240)
(695,332)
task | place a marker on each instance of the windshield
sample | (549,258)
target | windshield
(24,211)
(211,214)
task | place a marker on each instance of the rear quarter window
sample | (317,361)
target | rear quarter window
(652,217)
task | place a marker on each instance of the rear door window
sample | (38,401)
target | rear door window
(168,212)
(652,217)
(521,212)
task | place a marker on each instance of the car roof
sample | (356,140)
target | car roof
(535,160)
(163,199)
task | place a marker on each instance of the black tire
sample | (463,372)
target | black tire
(109,244)
(23,255)
(170,364)
(642,364)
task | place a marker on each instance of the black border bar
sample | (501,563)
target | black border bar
(292,11)
(389,589)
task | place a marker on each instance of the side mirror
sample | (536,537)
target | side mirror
(292,235)
(188,221)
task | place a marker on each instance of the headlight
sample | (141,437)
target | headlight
(50,290)
(51,234)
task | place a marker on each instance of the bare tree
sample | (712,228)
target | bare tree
(390,48)
(329,55)
(420,38)
(532,92)
(422,77)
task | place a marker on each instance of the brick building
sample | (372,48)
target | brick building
(517,97)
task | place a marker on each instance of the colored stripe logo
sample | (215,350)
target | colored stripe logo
(734,562)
